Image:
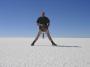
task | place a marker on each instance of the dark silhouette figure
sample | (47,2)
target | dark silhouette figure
(43,22)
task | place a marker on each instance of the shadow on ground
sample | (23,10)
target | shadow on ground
(60,46)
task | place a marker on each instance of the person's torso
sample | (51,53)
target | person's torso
(43,20)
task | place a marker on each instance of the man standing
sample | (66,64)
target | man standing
(43,22)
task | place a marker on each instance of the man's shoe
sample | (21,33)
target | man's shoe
(53,44)
(32,44)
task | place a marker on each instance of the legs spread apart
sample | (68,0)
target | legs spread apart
(49,37)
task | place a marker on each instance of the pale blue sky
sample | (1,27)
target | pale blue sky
(69,18)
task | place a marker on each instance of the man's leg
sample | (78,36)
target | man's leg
(36,38)
(48,34)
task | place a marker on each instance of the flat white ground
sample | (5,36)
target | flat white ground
(71,52)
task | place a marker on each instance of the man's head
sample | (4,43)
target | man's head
(42,13)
